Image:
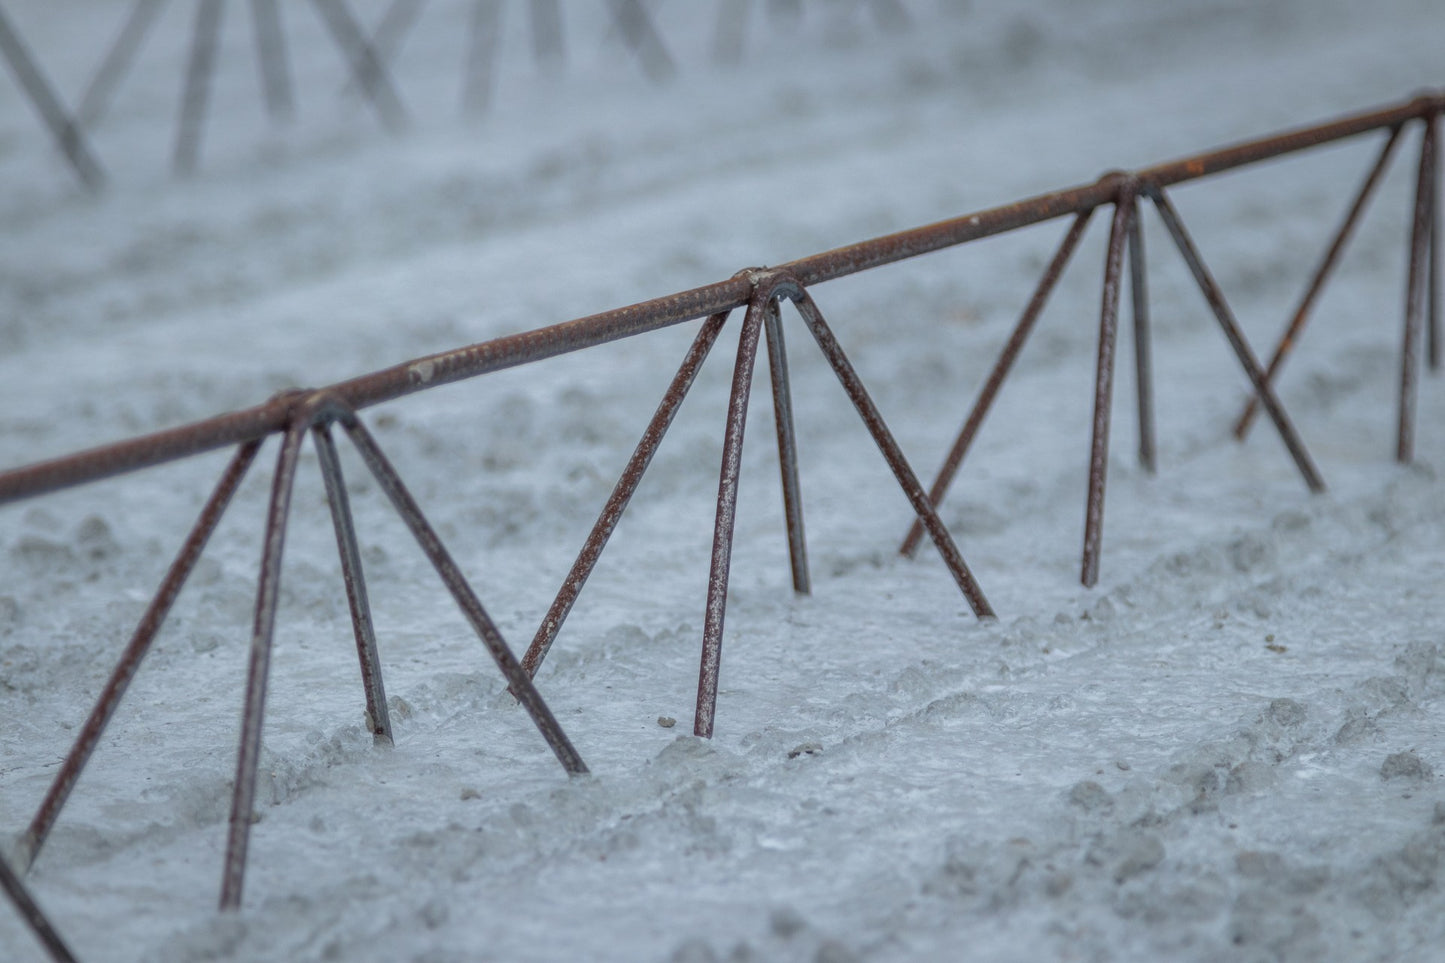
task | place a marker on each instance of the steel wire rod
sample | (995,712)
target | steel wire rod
(150,624)
(243,797)
(271,59)
(518,681)
(1416,281)
(1143,355)
(999,372)
(378,719)
(34,917)
(96,100)
(622,493)
(1290,337)
(205,40)
(787,448)
(1125,212)
(531,346)
(1220,308)
(64,129)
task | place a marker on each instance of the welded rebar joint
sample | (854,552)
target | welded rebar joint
(1123,186)
(771,284)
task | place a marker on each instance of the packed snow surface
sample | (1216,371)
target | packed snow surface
(1225,750)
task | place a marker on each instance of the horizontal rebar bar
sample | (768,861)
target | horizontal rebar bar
(446,367)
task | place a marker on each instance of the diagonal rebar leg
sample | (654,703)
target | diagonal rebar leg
(271,58)
(1417,291)
(1416,283)
(130,660)
(1432,329)
(484,31)
(547,45)
(243,796)
(892,454)
(640,33)
(1321,275)
(63,129)
(365,63)
(199,69)
(431,545)
(787,448)
(387,39)
(96,99)
(1230,327)
(621,494)
(377,718)
(30,911)
(996,377)
(1143,354)
(732,27)
(1124,208)
(727,503)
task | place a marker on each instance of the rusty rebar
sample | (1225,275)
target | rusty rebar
(996,376)
(1124,212)
(723,525)
(271,60)
(378,719)
(1143,354)
(787,448)
(1416,279)
(622,493)
(96,99)
(135,652)
(1220,308)
(64,129)
(268,586)
(1432,329)
(892,454)
(34,917)
(531,346)
(366,64)
(205,40)
(518,681)
(1322,273)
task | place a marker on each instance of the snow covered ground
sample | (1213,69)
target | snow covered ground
(1224,751)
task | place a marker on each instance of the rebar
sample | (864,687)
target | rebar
(761,291)
(64,130)
(34,917)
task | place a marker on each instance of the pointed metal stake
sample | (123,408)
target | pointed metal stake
(996,377)
(1124,206)
(199,70)
(378,720)
(155,615)
(1322,273)
(1220,308)
(622,493)
(431,545)
(1143,366)
(243,796)
(30,911)
(787,448)
(723,525)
